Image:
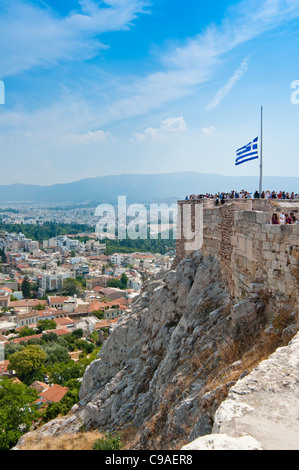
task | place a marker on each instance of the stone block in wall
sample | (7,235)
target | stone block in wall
(296,230)
(212,243)
(241,244)
(282,287)
(238,216)
(261,217)
(240,261)
(271,229)
(290,280)
(276,247)
(278,237)
(269,255)
(234,241)
(267,246)
(293,240)
(278,265)
(249,216)
(282,256)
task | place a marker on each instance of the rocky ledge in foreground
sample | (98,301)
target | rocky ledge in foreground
(262,409)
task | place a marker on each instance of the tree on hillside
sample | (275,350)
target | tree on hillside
(39,307)
(28,363)
(113,283)
(2,256)
(26,331)
(56,353)
(26,288)
(123,281)
(17,411)
(70,286)
(44,325)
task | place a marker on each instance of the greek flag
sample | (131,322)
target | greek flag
(248,152)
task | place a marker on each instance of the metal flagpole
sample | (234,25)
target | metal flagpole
(261,154)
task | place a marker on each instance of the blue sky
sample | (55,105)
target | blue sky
(96,88)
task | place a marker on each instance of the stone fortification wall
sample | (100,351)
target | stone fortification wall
(250,249)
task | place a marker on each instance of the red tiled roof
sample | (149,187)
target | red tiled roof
(6,289)
(105,323)
(64,321)
(108,290)
(57,300)
(4,366)
(96,305)
(25,338)
(47,311)
(102,324)
(16,381)
(27,303)
(55,393)
(59,332)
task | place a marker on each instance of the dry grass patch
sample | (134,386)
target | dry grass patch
(79,441)
(238,358)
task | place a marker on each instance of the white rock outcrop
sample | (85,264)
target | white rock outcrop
(261,410)
(265,403)
(223,442)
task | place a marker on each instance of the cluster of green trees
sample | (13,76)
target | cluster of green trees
(143,246)
(33,360)
(42,325)
(46,230)
(121,283)
(73,286)
(38,359)
(29,289)
(3,258)
(51,229)
(17,411)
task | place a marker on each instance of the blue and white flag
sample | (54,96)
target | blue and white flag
(248,152)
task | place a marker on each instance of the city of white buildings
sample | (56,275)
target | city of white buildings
(49,264)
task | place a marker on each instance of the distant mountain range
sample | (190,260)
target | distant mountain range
(141,188)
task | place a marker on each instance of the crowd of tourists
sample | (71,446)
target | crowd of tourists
(277,218)
(245,195)
(283,219)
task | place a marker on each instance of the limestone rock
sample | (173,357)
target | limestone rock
(223,442)
(265,403)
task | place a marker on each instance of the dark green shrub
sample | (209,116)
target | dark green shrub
(109,442)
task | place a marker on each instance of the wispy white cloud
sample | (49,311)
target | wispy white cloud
(208,130)
(224,91)
(180,72)
(89,137)
(168,128)
(197,60)
(32,35)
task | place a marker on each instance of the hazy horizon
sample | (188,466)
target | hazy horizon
(145,174)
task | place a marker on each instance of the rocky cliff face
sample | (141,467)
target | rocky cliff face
(154,366)
(168,365)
